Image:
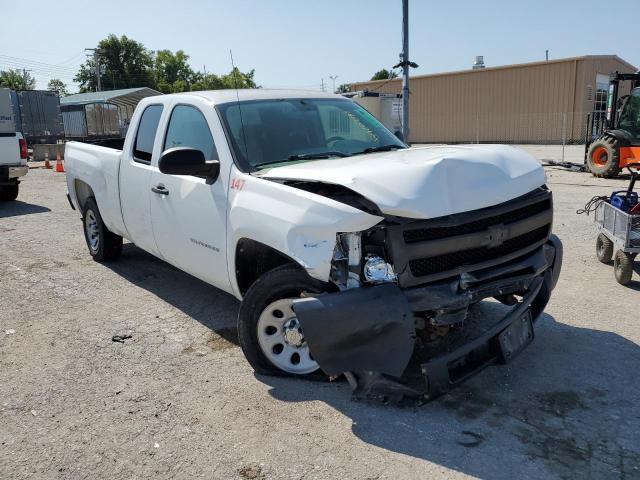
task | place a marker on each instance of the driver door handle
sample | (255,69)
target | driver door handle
(160,189)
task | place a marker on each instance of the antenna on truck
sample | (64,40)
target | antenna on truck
(235,83)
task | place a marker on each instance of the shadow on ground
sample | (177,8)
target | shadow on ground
(17,208)
(566,408)
(199,300)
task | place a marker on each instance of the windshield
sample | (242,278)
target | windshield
(268,132)
(630,116)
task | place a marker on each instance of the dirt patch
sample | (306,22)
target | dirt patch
(251,472)
(222,339)
(560,403)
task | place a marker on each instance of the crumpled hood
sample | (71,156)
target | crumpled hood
(427,182)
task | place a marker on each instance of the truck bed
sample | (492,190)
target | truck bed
(98,166)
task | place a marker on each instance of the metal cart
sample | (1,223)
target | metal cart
(620,230)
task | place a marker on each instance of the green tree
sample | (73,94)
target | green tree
(206,81)
(59,86)
(172,72)
(344,88)
(384,74)
(17,80)
(124,63)
(234,79)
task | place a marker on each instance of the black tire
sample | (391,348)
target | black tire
(286,281)
(623,267)
(604,248)
(8,193)
(108,245)
(603,157)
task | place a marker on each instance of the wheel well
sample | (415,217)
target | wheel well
(619,136)
(83,192)
(254,259)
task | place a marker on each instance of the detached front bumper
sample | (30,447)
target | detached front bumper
(369,334)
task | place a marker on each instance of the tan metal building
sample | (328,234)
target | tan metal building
(541,102)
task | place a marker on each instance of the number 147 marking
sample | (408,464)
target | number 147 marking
(237,184)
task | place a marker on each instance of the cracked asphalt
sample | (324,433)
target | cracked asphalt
(178,400)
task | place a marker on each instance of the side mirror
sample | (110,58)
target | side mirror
(188,161)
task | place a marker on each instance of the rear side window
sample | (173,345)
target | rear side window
(188,128)
(143,145)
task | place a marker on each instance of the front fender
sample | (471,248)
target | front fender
(300,224)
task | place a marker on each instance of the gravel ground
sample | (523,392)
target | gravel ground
(178,400)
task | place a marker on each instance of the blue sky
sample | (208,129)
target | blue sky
(297,43)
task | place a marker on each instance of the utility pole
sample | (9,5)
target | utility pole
(322,84)
(405,64)
(24,75)
(333,79)
(96,62)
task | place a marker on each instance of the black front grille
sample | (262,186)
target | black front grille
(422,249)
(433,233)
(429,266)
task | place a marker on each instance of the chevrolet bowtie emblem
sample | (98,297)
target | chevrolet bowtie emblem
(497,235)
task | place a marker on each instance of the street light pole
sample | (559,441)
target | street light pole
(404,59)
(333,79)
(405,64)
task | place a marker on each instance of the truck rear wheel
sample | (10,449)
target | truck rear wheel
(9,193)
(269,332)
(603,157)
(103,244)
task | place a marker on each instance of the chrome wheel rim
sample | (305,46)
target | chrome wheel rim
(91,228)
(282,341)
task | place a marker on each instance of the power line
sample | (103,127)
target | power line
(33,63)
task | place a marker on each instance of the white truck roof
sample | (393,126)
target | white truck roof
(232,95)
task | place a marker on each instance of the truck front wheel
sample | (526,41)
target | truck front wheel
(9,193)
(269,332)
(103,244)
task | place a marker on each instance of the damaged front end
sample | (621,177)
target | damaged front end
(408,291)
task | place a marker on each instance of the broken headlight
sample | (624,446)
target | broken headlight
(377,270)
(359,258)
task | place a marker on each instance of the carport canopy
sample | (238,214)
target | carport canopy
(128,97)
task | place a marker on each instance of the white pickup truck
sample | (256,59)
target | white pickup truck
(13,150)
(349,250)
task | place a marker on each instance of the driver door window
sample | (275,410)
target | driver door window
(188,128)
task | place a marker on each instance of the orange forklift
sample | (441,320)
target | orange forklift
(615,142)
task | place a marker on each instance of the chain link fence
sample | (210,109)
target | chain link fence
(556,131)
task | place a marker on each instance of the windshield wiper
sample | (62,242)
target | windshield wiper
(313,156)
(382,148)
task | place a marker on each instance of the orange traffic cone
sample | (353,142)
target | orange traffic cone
(59,166)
(46,160)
